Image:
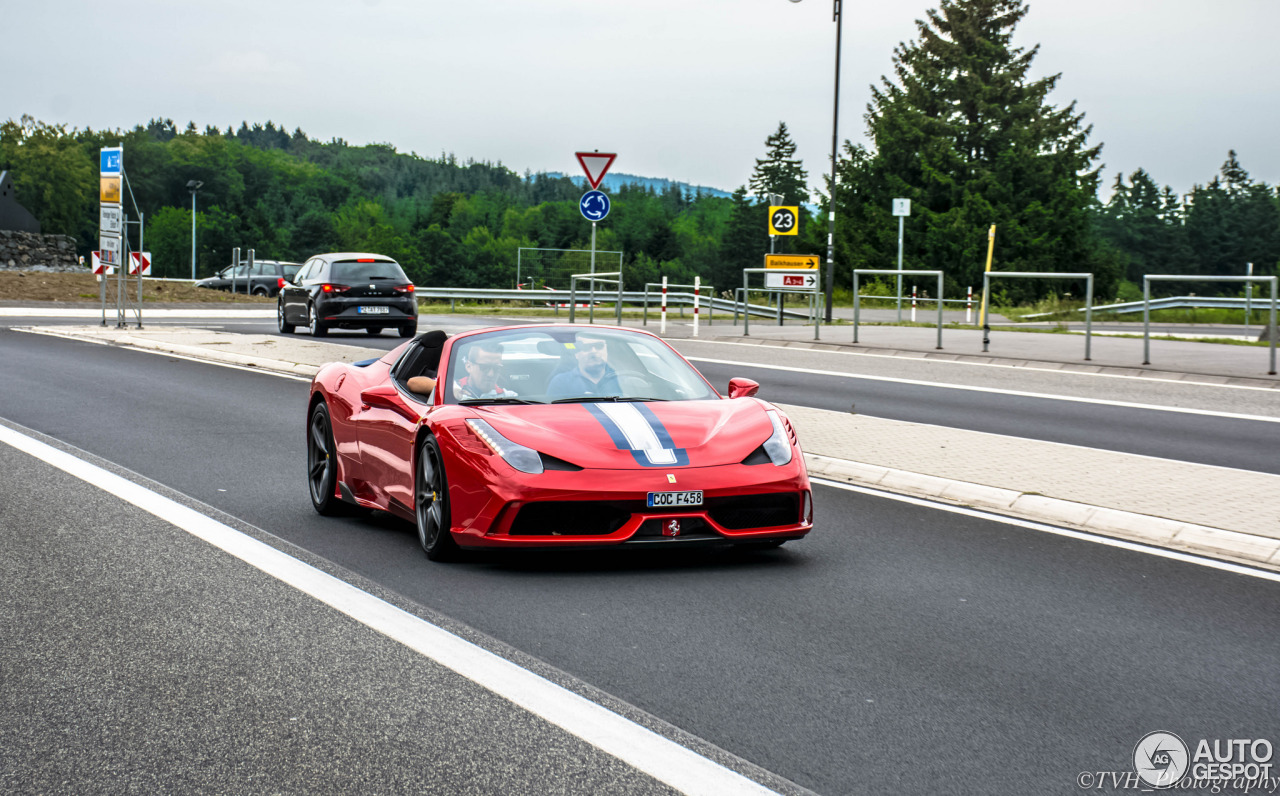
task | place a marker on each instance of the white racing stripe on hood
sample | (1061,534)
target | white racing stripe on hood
(640,435)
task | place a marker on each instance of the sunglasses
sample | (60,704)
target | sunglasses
(593,345)
(493,368)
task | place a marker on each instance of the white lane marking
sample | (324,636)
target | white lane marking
(675,343)
(998,391)
(1189,558)
(640,435)
(613,734)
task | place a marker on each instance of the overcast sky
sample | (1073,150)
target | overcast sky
(683,89)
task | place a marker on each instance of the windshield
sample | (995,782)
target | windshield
(291,270)
(346,271)
(548,365)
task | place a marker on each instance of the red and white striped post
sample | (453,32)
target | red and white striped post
(662,326)
(697,290)
(913,303)
(968,308)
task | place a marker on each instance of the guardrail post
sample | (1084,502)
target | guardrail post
(856,305)
(1271,332)
(1088,316)
(573,294)
(986,312)
(1146,320)
(939,312)
(817,318)
(617,315)
(746,305)
(645,314)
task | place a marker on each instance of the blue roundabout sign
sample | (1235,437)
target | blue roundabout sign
(594,205)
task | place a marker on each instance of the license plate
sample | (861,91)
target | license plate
(656,499)
(373,310)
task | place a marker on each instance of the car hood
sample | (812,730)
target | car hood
(624,436)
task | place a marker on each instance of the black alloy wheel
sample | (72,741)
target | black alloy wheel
(318,329)
(322,468)
(284,326)
(261,291)
(431,503)
(409,329)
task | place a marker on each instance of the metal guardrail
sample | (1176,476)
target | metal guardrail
(1147,279)
(1177,303)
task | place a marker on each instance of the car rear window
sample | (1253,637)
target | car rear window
(355,271)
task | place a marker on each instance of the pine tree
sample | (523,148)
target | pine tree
(970,138)
(780,171)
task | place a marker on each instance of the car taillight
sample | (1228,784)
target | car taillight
(334,288)
(280,281)
(403,288)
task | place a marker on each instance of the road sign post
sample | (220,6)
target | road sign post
(111,220)
(901,209)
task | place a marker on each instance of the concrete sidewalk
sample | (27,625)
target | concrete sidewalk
(1216,511)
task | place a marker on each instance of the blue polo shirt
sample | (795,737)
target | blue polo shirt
(572,384)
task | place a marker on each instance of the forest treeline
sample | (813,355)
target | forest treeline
(961,130)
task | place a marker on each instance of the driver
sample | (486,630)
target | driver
(592,376)
(483,365)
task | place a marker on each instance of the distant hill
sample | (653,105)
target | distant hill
(658,184)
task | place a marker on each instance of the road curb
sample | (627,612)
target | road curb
(1156,531)
(1186,537)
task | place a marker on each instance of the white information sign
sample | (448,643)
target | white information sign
(110,220)
(109,249)
(802,281)
(902,207)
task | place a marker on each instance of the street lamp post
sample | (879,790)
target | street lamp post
(835,151)
(193,186)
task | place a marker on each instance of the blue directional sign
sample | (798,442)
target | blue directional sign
(594,205)
(110,160)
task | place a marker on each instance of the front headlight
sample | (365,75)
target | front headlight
(778,446)
(526,460)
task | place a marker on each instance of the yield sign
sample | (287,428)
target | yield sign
(596,165)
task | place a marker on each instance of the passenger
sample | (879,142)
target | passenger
(592,376)
(484,365)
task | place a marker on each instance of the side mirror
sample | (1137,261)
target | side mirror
(385,397)
(743,388)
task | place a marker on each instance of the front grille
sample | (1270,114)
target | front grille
(570,518)
(755,511)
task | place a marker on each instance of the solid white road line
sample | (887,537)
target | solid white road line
(1137,547)
(1001,391)
(616,735)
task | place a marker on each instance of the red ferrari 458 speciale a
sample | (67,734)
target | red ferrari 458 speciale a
(554,436)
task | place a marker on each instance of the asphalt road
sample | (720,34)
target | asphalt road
(1204,439)
(899,648)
